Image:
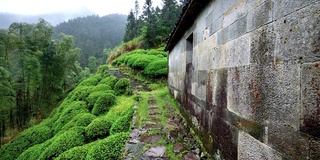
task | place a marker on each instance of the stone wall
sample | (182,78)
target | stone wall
(247,77)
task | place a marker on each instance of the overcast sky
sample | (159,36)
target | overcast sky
(100,7)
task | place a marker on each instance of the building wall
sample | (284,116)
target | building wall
(250,82)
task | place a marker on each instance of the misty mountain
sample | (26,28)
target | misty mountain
(93,33)
(6,19)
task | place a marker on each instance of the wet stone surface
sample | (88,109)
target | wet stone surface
(151,140)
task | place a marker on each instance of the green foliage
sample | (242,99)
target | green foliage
(102,87)
(35,151)
(98,128)
(156,52)
(93,97)
(122,86)
(89,82)
(80,93)
(72,110)
(110,81)
(158,68)
(102,70)
(94,33)
(122,124)
(82,119)
(24,140)
(109,148)
(63,142)
(104,103)
(76,153)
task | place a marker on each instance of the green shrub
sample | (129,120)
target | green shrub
(35,151)
(122,124)
(69,112)
(102,87)
(63,142)
(110,81)
(76,153)
(85,119)
(122,86)
(82,119)
(157,53)
(104,103)
(98,128)
(97,76)
(80,93)
(89,82)
(109,148)
(103,70)
(158,68)
(93,97)
(28,138)
(132,58)
(143,61)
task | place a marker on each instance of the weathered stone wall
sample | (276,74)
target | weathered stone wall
(250,82)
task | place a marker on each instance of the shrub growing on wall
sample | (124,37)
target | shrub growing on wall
(104,103)
(122,86)
(109,148)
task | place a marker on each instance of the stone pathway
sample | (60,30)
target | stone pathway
(152,140)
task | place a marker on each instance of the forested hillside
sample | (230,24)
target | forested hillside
(93,33)
(40,68)
(35,73)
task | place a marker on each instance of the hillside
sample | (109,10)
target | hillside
(7,19)
(93,34)
(93,119)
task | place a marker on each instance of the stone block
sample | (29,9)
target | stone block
(297,36)
(262,45)
(285,7)
(259,16)
(291,143)
(235,12)
(314,148)
(267,93)
(310,97)
(216,25)
(237,52)
(234,30)
(216,11)
(251,149)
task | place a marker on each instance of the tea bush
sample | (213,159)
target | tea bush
(104,103)
(122,86)
(109,148)
(122,124)
(110,81)
(98,128)
(63,142)
(158,68)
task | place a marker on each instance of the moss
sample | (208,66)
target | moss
(109,148)
(104,103)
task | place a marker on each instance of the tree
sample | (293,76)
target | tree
(130,27)
(92,64)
